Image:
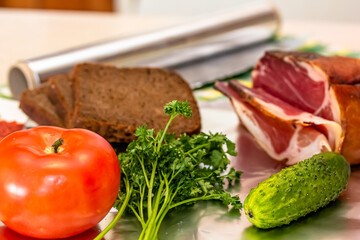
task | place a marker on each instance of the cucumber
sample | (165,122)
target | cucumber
(297,190)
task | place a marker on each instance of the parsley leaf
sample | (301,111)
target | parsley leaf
(175,108)
(160,172)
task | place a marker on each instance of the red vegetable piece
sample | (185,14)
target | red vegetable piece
(56,192)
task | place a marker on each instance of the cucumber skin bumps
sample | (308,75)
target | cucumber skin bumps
(297,190)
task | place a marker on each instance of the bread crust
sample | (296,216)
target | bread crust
(36,104)
(61,95)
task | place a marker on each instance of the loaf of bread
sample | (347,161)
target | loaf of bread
(115,101)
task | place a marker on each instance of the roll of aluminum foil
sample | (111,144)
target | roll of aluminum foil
(201,38)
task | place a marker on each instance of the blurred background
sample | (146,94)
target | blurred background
(31,28)
(326,10)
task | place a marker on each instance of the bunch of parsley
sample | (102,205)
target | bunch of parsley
(160,172)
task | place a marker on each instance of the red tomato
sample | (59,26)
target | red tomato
(45,194)
(7,234)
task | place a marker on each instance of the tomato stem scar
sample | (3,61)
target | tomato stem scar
(57,144)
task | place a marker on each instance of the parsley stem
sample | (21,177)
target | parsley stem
(118,215)
(167,196)
(152,218)
(137,216)
(141,161)
(151,187)
(162,216)
(196,148)
(172,117)
(208,197)
(142,193)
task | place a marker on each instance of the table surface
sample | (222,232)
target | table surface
(30,33)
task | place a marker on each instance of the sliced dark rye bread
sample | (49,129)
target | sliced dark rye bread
(61,95)
(115,101)
(36,104)
(155,86)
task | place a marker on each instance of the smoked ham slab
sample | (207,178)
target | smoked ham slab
(305,91)
(284,132)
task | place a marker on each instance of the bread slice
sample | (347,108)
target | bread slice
(61,95)
(36,104)
(115,101)
(111,101)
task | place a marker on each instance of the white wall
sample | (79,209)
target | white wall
(332,10)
